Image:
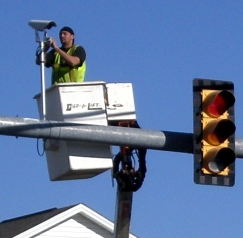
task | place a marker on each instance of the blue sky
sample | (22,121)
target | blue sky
(158,46)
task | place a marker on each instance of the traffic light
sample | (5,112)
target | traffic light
(214,128)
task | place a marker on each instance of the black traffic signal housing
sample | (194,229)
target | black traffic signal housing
(213,134)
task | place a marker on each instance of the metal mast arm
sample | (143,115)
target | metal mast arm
(137,138)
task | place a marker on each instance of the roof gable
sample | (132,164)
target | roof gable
(35,224)
(12,227)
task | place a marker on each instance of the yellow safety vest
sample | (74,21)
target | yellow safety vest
(67,74)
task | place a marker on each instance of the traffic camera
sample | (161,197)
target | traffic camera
(41,25)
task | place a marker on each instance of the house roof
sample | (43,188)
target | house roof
(36,223)
(15,226)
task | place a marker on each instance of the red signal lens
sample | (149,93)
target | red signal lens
(217,103)
(218,107)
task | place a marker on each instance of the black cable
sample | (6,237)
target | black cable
(38,51)
(130,179)
(43,146)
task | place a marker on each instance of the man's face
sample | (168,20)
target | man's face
(66,38)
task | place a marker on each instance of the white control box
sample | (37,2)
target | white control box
(120,102)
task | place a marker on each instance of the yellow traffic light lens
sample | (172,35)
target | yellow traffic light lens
(217,131)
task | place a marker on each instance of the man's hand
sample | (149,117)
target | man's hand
(54,44)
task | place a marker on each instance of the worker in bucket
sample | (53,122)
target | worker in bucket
(68,61)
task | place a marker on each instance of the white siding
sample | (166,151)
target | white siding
(78,226)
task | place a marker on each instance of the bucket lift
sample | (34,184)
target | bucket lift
(92,103)
(81,103)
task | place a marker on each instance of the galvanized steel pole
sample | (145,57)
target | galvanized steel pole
(137,138)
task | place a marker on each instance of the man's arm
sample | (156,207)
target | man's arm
(70,59)
(80,52)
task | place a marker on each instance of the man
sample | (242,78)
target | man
(68,61)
